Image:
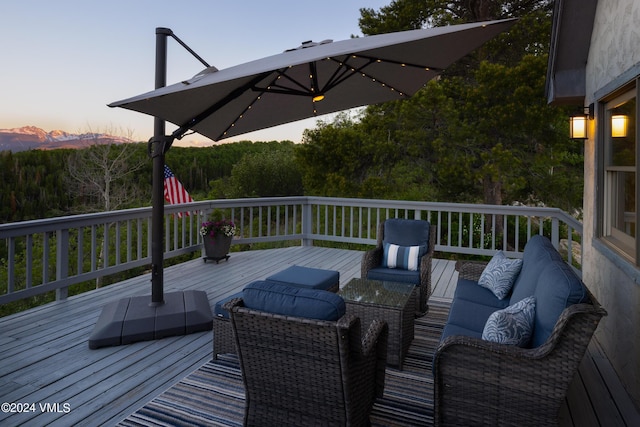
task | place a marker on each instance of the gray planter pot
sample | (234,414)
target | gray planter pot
(217,248)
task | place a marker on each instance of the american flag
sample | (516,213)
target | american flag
(174,192)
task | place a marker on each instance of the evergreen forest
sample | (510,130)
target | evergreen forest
(43,184)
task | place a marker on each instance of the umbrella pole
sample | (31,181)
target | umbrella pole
(157,153)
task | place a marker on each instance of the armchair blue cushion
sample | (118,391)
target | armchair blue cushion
(394,275)
(407,232)
(293,301)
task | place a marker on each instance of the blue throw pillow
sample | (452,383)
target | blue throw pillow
(402,257)
(500,274)
(512,325)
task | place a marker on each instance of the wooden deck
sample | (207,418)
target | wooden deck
(46,359)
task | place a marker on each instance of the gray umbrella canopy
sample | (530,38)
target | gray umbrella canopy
(314,79)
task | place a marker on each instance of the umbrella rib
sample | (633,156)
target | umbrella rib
(190,124)
(315,90)
(305,90)
(261,91)
(340,74)
(274,87)
(282,91)
(403,64)
(249,107)
(350,71)
(370,60)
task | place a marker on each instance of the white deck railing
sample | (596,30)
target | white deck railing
(52,254)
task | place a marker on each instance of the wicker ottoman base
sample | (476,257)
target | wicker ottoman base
(222,337)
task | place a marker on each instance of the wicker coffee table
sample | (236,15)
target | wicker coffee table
(388,301)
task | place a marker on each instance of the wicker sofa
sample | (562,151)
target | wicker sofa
(303,361)
(481,382)
(403,232)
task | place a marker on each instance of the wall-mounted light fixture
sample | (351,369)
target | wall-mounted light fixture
(578,123)
(578,127)
(619,124)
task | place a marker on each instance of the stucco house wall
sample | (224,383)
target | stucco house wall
(614,59)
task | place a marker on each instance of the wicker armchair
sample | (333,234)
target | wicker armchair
(372,259)
(479,382)
(308,372)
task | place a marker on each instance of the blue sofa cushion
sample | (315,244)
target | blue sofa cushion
(557,288)
(500,274)
(512,325)
(407,232)
(402,257)
(470,291)
(293,301)
(471,307)
(538,252)
(452,330)
(308,277)
(470,315)
(394,275)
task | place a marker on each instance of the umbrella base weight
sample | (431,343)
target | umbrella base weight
(134,319)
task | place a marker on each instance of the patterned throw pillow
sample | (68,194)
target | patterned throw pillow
(512,325)
(500,274)
(403,257)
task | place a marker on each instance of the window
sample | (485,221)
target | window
(619,154)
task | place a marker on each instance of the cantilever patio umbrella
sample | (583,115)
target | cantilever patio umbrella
(311,80)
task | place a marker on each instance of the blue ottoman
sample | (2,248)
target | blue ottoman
(306,277)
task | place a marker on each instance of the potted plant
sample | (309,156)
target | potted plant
(216,237)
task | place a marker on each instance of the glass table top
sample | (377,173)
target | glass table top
(379,292)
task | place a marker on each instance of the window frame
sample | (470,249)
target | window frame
(625,245)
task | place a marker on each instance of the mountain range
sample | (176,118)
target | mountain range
(34,138)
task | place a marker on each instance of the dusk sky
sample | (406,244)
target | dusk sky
(63,61)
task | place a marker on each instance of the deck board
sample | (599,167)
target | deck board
(603,404)
(46,359)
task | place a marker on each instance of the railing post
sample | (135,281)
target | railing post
(11,260)
(307,223)
(62,261)
(555,232)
